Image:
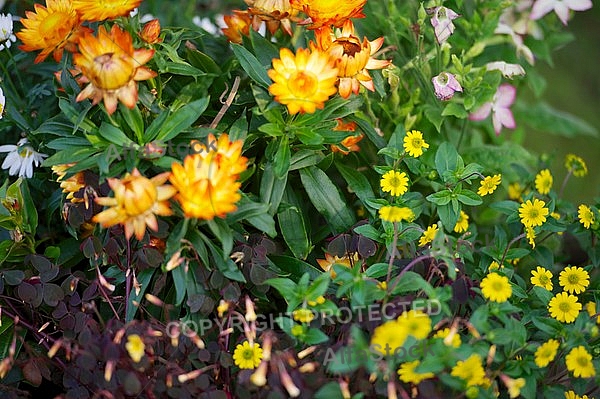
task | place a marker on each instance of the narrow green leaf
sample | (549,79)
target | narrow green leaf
(281,161)
(133,118)
(358,183)
(251,65)
(326,198)
(181,119)
(143,279)
(272,188)
(293,225)
(113,134)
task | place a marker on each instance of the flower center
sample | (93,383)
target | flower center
(248,354)
(582,361)
(543,279)
(534,213)
(565,307)
(350,46)
(497,286)
(573,279)
(112,70)
(417,142)
(303,84)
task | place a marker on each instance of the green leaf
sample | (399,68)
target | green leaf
(265,50)
(326,198)
(468,197)
(292,225)
(133,118)
(455,109)
(314,336)
(367,128)
(295,267)
(180,120)
(448,216)
(331,390)
(434,116)
(143,279)
(251,65)
(410,282)
(358,183)
(440,198)
(113,134)
(272,188)
(505,207)
(281,161)
(446,158)
(304,158)
(285,286)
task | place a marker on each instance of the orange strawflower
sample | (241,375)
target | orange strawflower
(273,12)
(51,29)
(112,67)
(352,57)
(94,10)
(207,180)
(150,32)
(329,12)
(136,202)
(238,24)
(349,143)
(302,82)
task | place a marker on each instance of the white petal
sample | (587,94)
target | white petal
(505,96)
(541,8)
(8,148)
(578,5)
(503,117)
(562,11)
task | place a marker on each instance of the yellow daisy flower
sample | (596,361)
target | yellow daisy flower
(543,182)
(353,57)
(591,309)
(579,362)
(414,143)
(470,370)
(530,235)
(428,235)
(396,214)
(489,185)
(564,307)
(396,183)
(513,385)
(496,287)
(387,338)
(112,66)
(415,323)
(541,278)
(302,82)
(135,347)
(463,223)
(454,341)
(575,165)
(515,192)
(407,373)
(52,29)
(574,279)
(329,12)
(546,352)
(533,213)
(136,202)
(303,315)
(327,263)
(586,216)
(93,10)
(494,266)
(246,356)
(573,395)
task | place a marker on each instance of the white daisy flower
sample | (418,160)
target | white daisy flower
(6,31)
(21,158)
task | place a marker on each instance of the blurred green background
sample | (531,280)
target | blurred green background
(574,87)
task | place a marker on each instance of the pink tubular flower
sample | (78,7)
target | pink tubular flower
(560,7)
(442,23)
(445,84)
(500,108)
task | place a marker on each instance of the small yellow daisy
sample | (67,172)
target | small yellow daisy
(407,373)
(542,278)
(496,287)
(586,216)
(396,214)
(463,222)
(246,356)
(428,235)
(470,370)
(574,279)
(543,182)
(564,307)
(396,183)
(533,213)
(489,185)
(546,352)
(579,362)
(575,165)
(414,143)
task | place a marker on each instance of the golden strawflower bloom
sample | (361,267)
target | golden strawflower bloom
(94,10)
(151,31)
(136,202)
(352,57)
(302,82)
(207,180)
(238,24)
(329,12)
(51,29)
(274,12)
(112,66)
